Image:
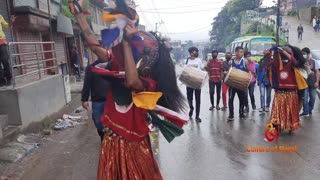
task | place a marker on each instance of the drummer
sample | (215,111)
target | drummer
(239,62)
(196,62)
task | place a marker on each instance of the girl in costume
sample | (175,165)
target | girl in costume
(286,80)
(143,92)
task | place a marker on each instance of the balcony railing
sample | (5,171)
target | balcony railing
(32,59)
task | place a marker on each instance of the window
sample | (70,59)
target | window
(259,45)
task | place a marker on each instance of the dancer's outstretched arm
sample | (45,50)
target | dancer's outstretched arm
(90,37)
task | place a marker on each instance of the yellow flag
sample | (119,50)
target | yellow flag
(146,100)
(301,82)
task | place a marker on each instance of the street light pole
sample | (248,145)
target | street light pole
(278,21)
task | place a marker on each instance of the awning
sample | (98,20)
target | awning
(64,25)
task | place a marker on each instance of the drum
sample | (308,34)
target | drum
(193,77)
(238,79)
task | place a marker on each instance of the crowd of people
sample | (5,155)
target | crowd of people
(316,23)
(292,73)
(134,81)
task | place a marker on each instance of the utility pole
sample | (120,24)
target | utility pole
(158,23)
(50,21)
(278,21)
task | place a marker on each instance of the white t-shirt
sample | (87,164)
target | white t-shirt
(197,63)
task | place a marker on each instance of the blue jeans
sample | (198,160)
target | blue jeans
(97,112)
(309,100)
(263,90)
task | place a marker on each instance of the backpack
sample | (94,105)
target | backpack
(187,60)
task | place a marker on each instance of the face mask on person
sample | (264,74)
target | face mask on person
(305,56)
(195,54)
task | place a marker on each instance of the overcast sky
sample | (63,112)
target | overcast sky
(183,19)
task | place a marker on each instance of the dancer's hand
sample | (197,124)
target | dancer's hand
(13,18)
(285,51)
(75,9)
(130,30)
(85,105)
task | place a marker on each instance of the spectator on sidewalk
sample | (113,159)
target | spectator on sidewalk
(318,24)
(95,86)
(314,23)
(4,51)
(300,32)
(75,60)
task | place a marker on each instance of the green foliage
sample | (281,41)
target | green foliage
(261,30)
(293,13)
(226,26)
(66,11)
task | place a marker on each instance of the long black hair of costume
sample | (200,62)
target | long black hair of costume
(297,53)
(163,72)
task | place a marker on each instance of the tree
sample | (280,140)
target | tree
(66,10)
(226,26)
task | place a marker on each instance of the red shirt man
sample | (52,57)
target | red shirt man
(215,70)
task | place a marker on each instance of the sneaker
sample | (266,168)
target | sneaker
(254,107)
(198,119)
(230,118)
(9,83)
(224,108)
(310,113)
(304,114)
(191,112)
(267,109)
(261,110)
(211,108)
(218,108)
(242,116)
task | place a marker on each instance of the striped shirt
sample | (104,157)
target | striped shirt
(215,69)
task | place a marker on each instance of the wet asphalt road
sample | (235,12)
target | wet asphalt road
(213,149)
(216,149)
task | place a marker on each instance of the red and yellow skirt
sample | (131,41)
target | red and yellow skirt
(285,110)
(127,160)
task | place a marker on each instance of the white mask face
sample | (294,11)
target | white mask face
(305,56)
(112,4)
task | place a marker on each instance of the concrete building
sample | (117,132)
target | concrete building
(287,5)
